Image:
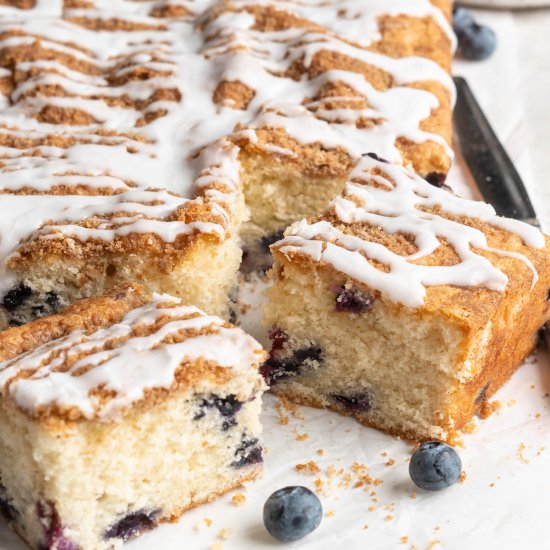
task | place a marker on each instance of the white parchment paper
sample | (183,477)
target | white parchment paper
(504,502)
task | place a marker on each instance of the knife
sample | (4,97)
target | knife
(494,173)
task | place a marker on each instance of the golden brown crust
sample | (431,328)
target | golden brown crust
(93,314)
(87,315)
(214,496)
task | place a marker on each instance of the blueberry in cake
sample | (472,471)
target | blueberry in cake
(117,166)
(404,305)
(122,412)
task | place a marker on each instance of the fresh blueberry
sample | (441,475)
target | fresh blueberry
(292,513)
(132,525)
(462,18)
(355,402)
(352,300)
(477,42)
(434,466)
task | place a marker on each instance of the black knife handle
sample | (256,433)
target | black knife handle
(491,167)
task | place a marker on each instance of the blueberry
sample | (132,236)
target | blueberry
(375,157)
(275,369)
(462,18)
(248,452)
(16,297)
(292,513)
(477,42)
(228,407)
(434,466)
(355,402)
(352,300)
(132,525)
(53,530)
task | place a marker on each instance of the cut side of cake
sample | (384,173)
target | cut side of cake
(122,412)
(404,305)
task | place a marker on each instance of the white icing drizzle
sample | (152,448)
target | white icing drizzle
(191,60)
(397,208)
(119,362)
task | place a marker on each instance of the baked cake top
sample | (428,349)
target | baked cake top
(418,245)
(101,356)
(122,122)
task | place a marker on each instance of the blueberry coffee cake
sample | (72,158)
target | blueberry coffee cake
(122,412)
(404,305)
(131,132)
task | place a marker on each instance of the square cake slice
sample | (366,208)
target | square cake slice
(120,413)
(404,305)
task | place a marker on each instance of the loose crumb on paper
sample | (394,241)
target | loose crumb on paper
(238,500)
(520,454)
(224,533)
(310,467)
(404,540)
(330,514)
(462,477)
(203,524)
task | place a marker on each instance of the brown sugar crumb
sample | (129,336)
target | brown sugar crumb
(433,544)
(330,513)
(320,452)
(492,484)
(462,477)
(511,403)
(390,462)
(378,482)
(224,533)
(308,468)
(208,522)
(371,508)
(520,454)
(331,470)
(389,517)
(413,495)
(365,526)
(289,406)
(404,540)
(283,418)
(540,451)
(217,545)
(319,485)
(488,409)
(238,500)
(538,415)
(301,437)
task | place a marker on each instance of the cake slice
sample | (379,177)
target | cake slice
(404,305)
(117,166)
(122,412)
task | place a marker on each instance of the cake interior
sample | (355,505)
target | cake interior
(93,485)
(204,276)
(403,372)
